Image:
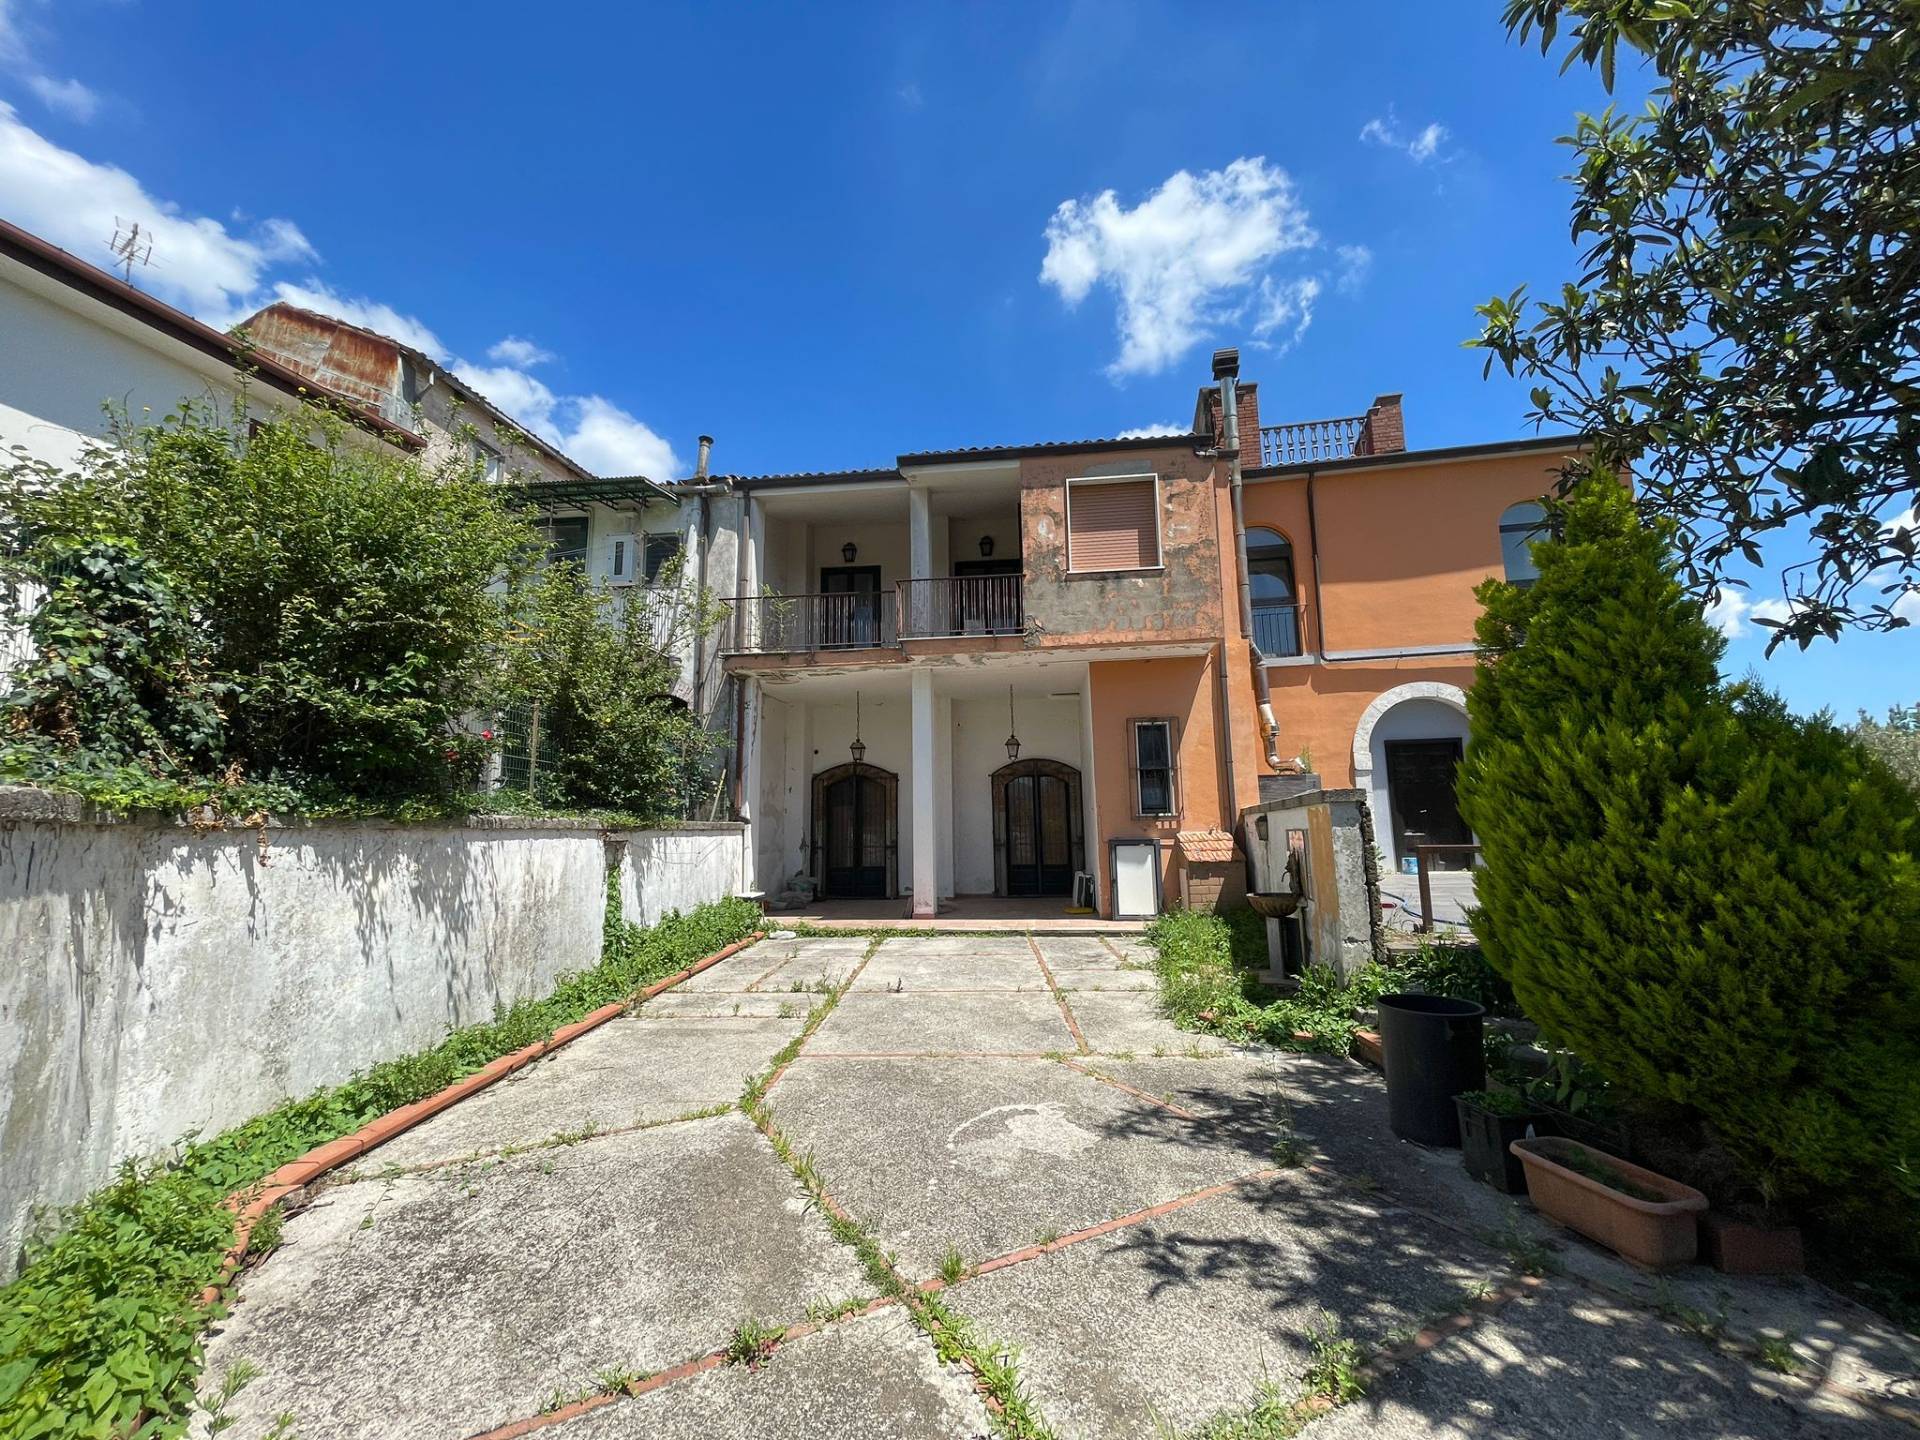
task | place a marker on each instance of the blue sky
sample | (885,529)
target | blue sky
(832,233)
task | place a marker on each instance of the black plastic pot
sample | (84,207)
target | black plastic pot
(1484,1138)
(1433,1052)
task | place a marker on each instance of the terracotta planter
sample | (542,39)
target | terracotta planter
(1741,1247)
(1655,1234)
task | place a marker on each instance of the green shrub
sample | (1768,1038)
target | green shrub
(103,1323)
(1205,964)
(1710,901)
(601,670)
(349,605)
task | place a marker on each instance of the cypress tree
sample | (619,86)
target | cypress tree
(1713,902)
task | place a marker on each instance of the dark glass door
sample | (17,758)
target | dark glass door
(1039,836)
(849,607)
(1420,792)
(856,839)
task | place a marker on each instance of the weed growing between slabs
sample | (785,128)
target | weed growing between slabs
(100,1334)
(956,1340)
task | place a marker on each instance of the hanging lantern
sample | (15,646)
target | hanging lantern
(858,748)
(1013,735)
(848,551)
(986,547)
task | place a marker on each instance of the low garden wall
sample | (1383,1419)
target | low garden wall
(159,979)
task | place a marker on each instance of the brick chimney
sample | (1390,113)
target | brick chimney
(1247,398)
(1384,432)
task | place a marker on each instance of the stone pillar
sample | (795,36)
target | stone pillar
(925,811)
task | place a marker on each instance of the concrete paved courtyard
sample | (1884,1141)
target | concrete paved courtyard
(624,1240)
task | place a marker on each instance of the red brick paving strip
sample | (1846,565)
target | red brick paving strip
(255,1200)
(1184,1114)
(1066,1012)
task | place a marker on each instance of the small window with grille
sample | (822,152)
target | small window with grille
(1154,768)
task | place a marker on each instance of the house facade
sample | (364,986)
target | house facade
(993,671)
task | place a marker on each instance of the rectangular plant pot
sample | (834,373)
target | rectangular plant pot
(1485,1141)
(1741,1247)
(1656,1235)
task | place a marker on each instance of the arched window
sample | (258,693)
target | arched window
(1276,605)
(1520,526)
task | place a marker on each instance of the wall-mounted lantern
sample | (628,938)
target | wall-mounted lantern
(848,551)
(986,547)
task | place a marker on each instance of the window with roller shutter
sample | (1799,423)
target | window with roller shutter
(1113,524)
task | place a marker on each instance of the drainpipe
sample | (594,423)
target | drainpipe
(1226,369)
(1313,547)
(701,533)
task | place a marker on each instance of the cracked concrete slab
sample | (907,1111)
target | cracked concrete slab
(1562,1363)
(739,970)
(815,965)
(1067,954)
(911,970)
(1150,1329)
(963,946)
(990,1155)
(728,1004)
(445,1303)
(875,1378)
(1132,1024)
(631,1071)
(870,1022)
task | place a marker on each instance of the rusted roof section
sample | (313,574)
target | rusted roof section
(1205,847)
(356,357)
(56,264)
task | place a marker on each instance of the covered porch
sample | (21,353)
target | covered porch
(924,790)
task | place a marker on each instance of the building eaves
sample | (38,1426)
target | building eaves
(807,477)
(1565,444)
(1050,447)
(70,270)
(605,490)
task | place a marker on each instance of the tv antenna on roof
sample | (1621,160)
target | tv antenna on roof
(131,246)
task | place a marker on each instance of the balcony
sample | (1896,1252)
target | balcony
(1277,630)
(804,624)
(945,606)
(937,608)
(1311,440)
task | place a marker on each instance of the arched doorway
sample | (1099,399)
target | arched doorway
(1037,838)
(856,832)
(1406,749)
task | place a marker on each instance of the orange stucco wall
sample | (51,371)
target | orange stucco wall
(1401,550)
(1122,690)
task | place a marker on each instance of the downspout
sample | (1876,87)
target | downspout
(1313,547)
(1226,369)
(701,537)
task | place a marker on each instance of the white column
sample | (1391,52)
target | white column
(943,785)
(926,848)
(1090,796)
(750,772)
(919,533)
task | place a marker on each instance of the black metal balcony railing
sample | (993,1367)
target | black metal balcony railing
(1308,440)
(786,624)
(1276,630)
(960,605)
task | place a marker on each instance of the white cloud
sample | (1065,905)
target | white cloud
(1285,305)
(1149,432)
(1421,146)
(1731,613)
(1907,604)
(520,351)
(1356,262)
(515,392)
(373,315)
(198,263)
(1189,257)
(69,97)
(609,441)
(909,95)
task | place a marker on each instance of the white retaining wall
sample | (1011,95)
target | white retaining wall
(158,981)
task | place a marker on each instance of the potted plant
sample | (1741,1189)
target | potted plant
(1490,1121)
(1646,1218)
(1753,1239)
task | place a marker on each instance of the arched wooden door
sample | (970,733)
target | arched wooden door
(1037,835)
(856,831)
